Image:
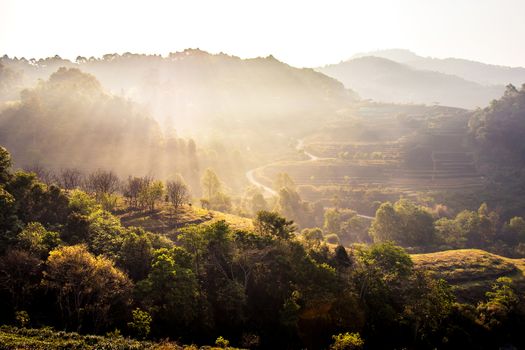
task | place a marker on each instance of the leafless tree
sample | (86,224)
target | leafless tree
(102,182)
(70,178)
(43,174)
(178,192)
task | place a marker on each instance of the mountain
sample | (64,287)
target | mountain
(189,89)
(482,73)
(385,80)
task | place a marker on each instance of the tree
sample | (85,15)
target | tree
(70,178)
(36,240)
(283,180)
(141,324)
(258,203)
(501,304)
(133,187)
(5,165)
(313,236)
(9,222)
(341,258)
(150,194)
(272,224)
(347,341)
(170,291)
(20,274)
(211,185)
(404,222)
(88,288)
(135,255)
(102,182)
(177,191)
(386,224)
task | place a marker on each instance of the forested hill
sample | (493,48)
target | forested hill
(499,128)
(190,88)
(388,81)
(69,120)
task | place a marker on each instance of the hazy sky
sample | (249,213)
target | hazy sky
(301,33)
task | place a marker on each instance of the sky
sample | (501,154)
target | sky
(301,33)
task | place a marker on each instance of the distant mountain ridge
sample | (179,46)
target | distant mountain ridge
(482,73)
(395,78)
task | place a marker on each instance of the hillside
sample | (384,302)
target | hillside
(384,80)
(165,221)
(471,271)
(71,121)
(482,73)
(191,89)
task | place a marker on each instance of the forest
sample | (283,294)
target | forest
(202,200)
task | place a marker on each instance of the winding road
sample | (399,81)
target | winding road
(269,192)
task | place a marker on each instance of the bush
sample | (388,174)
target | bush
(141,323)
(347,341)
(222,343)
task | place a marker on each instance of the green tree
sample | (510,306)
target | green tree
(9,222)
(141,324)
(170,291)
(404,223)
(272,224)
(36,240)
(502,302)
(135,255)
(150,194)
(5,165)
(211,185)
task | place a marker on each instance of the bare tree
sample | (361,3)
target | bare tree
(102,182)
(177,191)
(43,174)
(70,178)
(133,187)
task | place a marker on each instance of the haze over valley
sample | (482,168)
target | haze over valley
(253,193)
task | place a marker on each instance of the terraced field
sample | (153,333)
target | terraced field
(443,163)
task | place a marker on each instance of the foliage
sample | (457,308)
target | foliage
(347,341)
(141,324)
(272,224)
(222,343)
(88,288)
(404,223)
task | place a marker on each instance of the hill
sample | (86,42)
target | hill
(471,271)
(191,89)
(482,73)
(165,221)
(385,80)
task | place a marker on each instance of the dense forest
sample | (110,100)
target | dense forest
(68,263)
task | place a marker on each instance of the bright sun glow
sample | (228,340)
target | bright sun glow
(301,33)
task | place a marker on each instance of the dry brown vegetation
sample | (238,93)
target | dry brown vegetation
(471,271)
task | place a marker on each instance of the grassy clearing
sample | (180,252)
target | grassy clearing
(471,271)
(165,220)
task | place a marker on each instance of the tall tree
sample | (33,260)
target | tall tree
(211,185)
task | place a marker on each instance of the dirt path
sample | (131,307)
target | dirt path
(269,192)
